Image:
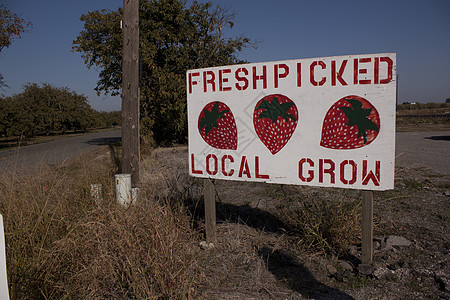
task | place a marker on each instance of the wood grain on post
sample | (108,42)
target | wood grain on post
(209,193)
(367,227)
(130,90)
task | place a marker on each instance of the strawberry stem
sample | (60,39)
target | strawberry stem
(273,110)
(209,121)
(359,116)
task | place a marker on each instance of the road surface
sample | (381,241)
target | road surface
(56,151)
(430,149)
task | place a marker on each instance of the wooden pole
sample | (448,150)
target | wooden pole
(130,91)
(209,194)
(367,227)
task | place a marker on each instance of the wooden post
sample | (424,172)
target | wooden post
(367,227)
(130,91)
(209,194)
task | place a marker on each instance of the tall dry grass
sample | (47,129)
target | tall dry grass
(63,244)
(325,224)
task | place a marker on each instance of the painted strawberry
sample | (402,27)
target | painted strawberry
(275,118)
(217,126)
(352,122)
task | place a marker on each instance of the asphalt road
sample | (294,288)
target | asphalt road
(430,149)
(56,151)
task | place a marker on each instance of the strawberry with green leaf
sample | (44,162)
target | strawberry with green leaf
(352,122)
(275,118)
(217,126)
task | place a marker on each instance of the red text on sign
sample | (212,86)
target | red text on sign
(356,71)
(346,171)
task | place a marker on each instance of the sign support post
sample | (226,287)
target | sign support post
(367,227)
(130,90)
(210,210)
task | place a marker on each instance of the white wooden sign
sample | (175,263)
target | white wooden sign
(327,121)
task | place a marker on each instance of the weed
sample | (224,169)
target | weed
(413,184)
(358,281)
(444,185)
(325,225)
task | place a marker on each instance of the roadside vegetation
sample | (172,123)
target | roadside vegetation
(273,241)
(45,110)
(435,107)
(62,242)
(423,116)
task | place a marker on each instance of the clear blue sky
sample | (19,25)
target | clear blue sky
(417,30)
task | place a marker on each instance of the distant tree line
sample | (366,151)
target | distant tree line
(415,106)
(45,109)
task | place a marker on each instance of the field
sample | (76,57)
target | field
(423,117)
(274,241)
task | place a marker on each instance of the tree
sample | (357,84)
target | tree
(44,109)
(11,27)
(173,39)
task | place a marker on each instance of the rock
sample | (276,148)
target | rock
(394,256)
(348,274)
(331,270)
(382,272)
(377,265)
(404,264)
(205,246)
(447,193)
(443,281)
(365,269)
(352,250)
(403,273)
(376,244)
(341,275)
(396,241)
(393,267)
(345,266)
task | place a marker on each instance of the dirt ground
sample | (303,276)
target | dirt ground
(259,256)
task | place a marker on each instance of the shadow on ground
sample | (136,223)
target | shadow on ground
(280,263)
(439,138)
(286,269)
(104,141)
(250,216)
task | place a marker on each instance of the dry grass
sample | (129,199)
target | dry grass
(326,226)
(63,244)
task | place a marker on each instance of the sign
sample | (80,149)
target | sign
(327,121)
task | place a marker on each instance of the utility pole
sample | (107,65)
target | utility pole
(130,91)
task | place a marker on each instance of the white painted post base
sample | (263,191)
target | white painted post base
(123,189)
(3,277)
